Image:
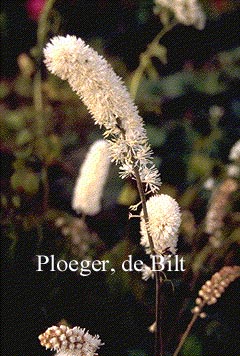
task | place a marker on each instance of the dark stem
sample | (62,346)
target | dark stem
(158,306)
(184,336)
(158,315)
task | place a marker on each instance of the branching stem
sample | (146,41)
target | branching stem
(138,73)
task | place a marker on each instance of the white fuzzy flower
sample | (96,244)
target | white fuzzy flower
(70,342)
(216,112)
(107,99)
(93,173)
(233,170)
(209,184)
(152,328)
(147,272)
(164,221)
(234,153)
(187,12)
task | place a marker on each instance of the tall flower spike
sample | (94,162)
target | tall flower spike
(108,101)
(217,210)
(164,221)
(93,173)
(70,342)
(214,288)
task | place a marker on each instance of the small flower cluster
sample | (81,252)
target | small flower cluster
(214,288)
(234,154)
(147,272)
(93,173)
(81,240)
(187,12)
(73,342)
(233,169)
(217,210)
(163,224)
(108,101)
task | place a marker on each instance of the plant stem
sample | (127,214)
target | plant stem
(138,73)
(158,307)
(42,31)
(158,315)
(144,207)
(187,331)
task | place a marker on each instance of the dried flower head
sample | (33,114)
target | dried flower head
(108,101)
(70,342)
(163,224)
(152,328)
(213,289)
(234,154)
(187,12)
(93,173)
(217,209)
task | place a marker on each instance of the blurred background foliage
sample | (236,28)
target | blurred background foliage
(189,99)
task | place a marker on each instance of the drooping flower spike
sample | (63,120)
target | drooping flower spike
(108,101)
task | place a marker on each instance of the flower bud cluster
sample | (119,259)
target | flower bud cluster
(214,288)
(62,338)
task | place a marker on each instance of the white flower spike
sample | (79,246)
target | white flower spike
(93,173)
(108,101)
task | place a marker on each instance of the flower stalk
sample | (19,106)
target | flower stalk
(158,349)
(42,30)
(208,295)
(139,72)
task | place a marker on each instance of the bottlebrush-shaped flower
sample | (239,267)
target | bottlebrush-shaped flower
(217,209)
(108,101)
(93,173)
(70,342)
(163,224)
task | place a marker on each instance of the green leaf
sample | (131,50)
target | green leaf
(14,121)
(24,137)
(16,201)
(192,347)
(200,165)
(156,135)
(26,181)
